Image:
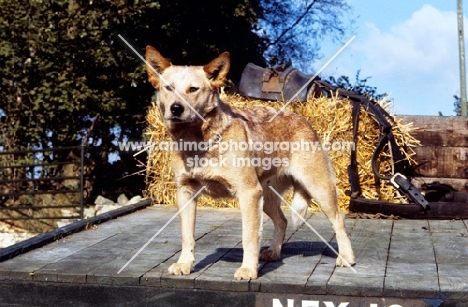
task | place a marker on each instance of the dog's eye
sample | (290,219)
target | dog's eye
(193,89)
(168,88)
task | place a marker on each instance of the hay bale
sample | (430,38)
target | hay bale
(331,118)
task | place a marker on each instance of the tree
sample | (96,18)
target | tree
(457,106)
(295,30)
(67,79)
(360,86)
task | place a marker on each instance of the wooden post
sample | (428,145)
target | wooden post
(461,48)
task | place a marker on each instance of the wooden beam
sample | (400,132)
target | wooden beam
(444,146)
(447,162)
(439,130)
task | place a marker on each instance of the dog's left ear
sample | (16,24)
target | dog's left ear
(217,70)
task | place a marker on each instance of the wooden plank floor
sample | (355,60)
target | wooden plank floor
(399,263)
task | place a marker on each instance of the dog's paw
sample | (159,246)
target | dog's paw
(180,269)
(245,273)
(345,261)
(269,255)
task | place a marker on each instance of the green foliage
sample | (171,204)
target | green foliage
(59,70)
(456,105)
(360,86)
(62,64)
(67,78)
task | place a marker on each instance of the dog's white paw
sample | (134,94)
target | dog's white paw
(245,273)
(345,261)
(180,269)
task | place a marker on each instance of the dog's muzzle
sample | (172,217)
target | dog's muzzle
(177,114)
(177,109)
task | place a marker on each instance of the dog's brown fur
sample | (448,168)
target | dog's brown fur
(185,91)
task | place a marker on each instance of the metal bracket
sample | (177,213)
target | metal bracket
(402,183)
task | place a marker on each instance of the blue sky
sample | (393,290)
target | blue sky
(408,48)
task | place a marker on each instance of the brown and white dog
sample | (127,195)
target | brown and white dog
(194,113)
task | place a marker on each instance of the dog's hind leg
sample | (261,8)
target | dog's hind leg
(325,195)
(322,188)
(187,224)
(328,202)
(271,206)
(299,205)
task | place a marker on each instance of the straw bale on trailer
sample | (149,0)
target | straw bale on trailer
(331,118)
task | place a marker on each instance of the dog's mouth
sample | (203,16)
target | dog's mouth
(176,119)
(180,120)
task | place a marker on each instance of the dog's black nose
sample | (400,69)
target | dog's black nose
(177,109)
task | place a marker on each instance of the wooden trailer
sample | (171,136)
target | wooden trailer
(104,261)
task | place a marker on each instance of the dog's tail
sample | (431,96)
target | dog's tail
(299,206)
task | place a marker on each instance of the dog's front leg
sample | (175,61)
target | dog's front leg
(187,224)
(251,205)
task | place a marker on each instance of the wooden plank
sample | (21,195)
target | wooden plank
(99,268)
(436,161)
(225,223)
(411,268)
(426,161)
(219,275)
(167,244)
(26,265)
(458,184)
(64,294)
(453,281)
(209,249)
(301,253)
(370,240)
(439,130)
(451,251)
(318,282)
(444,150)
(438,210)
(45,238)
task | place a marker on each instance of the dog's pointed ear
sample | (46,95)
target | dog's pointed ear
(155,65)
(217,70)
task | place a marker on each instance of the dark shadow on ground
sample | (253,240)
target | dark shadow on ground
(290,249)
